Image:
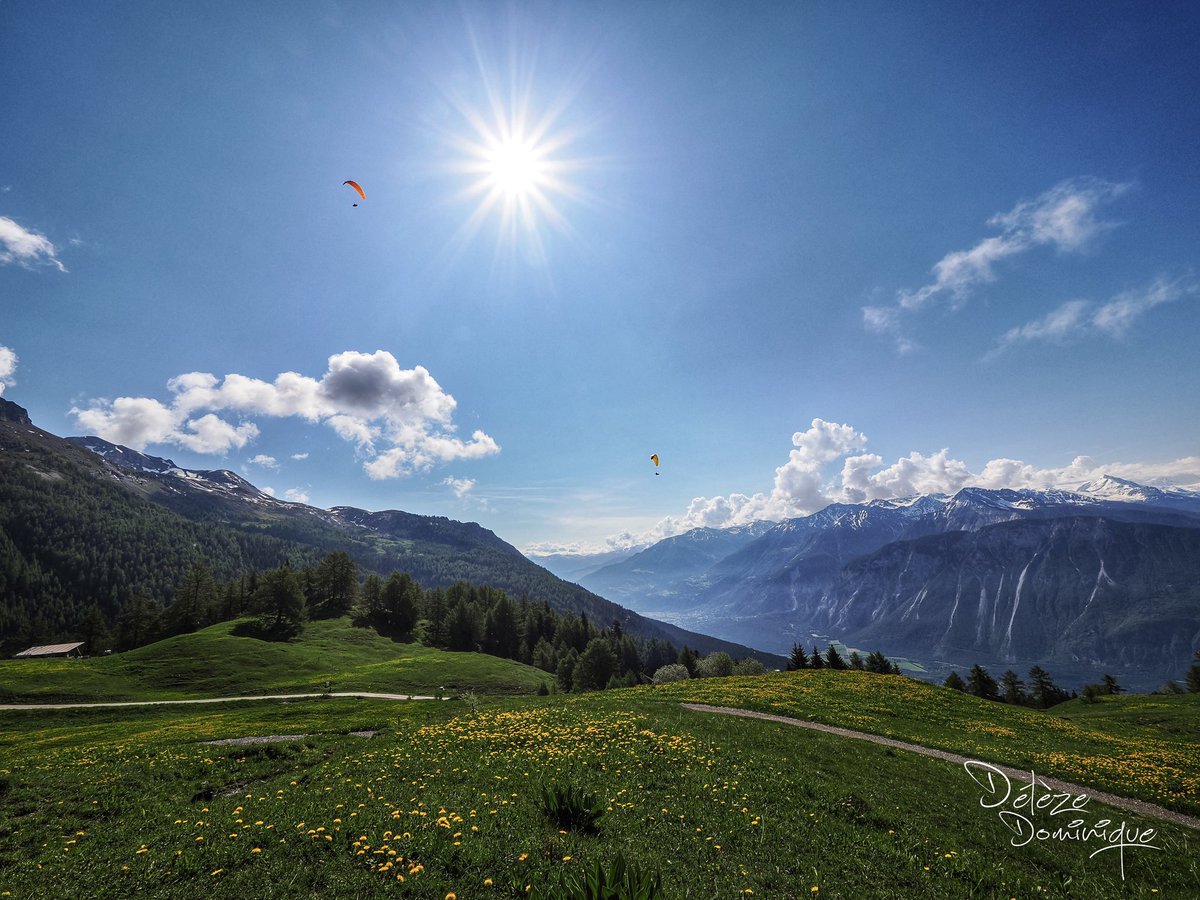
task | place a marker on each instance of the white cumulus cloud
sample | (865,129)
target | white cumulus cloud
(299,456)
(26,248)
(401,419)
(811,479)
(460,486)
(8,367)
(267,462)
(296,495)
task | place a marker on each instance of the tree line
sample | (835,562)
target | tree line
(831,659)
(1040,693)
(464,616)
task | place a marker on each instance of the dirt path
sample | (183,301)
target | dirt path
(1138,806)
(366,695)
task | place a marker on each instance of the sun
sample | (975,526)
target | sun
(518,175)
(517,168)
(516,157)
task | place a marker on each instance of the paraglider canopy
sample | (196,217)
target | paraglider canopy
(355,185)
(654,459)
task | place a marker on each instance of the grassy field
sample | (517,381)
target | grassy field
(1139,746)
(217,662)
(444,799)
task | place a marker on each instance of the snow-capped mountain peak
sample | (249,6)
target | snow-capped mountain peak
(1112,488)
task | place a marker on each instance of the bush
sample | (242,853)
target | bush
(748,666)
(672,672)
(715,665)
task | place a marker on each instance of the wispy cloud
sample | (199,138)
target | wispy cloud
(8,366)
(25,247)
(267,462)
(401,419)
(1079,319)
(299,456)
(1065,218)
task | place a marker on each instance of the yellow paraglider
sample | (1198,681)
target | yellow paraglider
(355,185)
(654,459)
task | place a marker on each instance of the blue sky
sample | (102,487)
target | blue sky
(803,251)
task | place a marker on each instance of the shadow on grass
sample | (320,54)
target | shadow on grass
(395,635)
(278,632)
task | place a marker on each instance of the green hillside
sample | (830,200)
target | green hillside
(77,531)
(1111,746)
(218,661)
(447,799)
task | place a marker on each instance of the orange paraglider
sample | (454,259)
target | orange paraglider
(654,459)
(355,185)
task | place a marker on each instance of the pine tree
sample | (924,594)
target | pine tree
(878,663)
(565,670)
(337,584)
(501,636)
(399,602)
(981,684)
(856,661)
(595,667)
(139,623)
(370,600)
(1013,687)
(687,658)
(1043,689)
(194,600)
(833,659)
(1110,685)
(93,631)
(816,660)
(1193,676)
(279,601)
(543,655)
(463,627)
(798,660)
(954,682)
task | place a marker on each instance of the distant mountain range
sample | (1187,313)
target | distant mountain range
(574,566)
(1105,576)
(85,521)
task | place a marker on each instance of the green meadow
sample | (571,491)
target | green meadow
(445,797)
(220,661)
(1142,746)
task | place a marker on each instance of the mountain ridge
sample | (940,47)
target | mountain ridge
(776,588)
(77,527)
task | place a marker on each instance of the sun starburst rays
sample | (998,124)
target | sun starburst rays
(518,172)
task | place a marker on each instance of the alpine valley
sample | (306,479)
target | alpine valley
(1101,578)
(84,521)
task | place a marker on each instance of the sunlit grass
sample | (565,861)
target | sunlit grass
(443,799)
(216,662)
